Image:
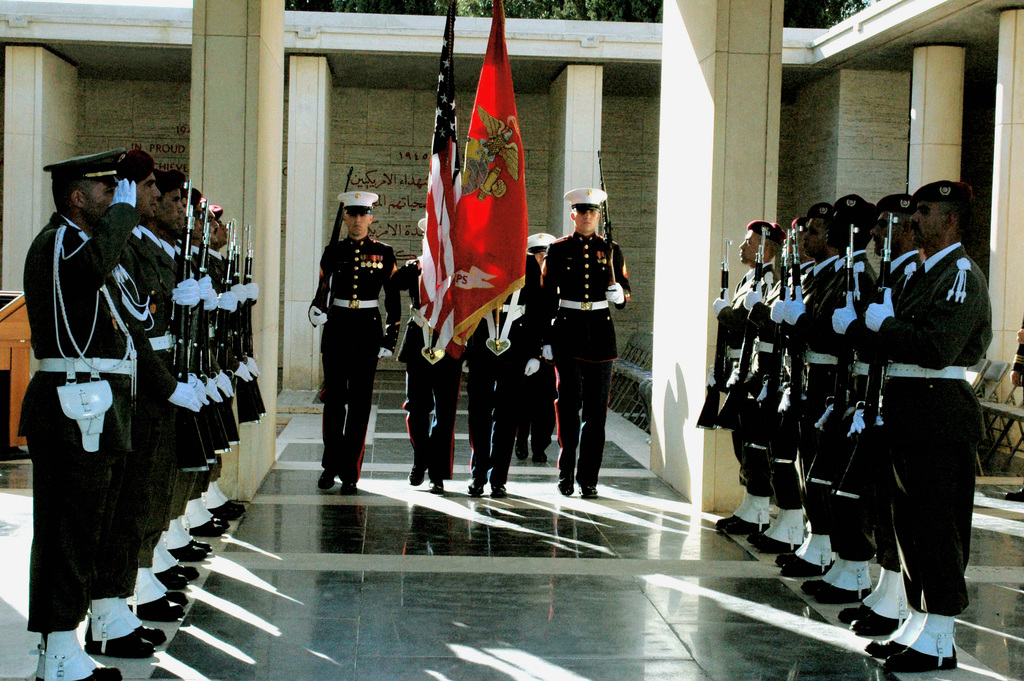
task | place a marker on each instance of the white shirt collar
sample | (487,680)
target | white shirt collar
(81,232)
(215,254)
(930,262)
(141,231)
(804,266)
(900,260)
(822,265)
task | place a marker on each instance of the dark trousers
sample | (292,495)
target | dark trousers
(537,419)
(581,384)
(432,388)
(347,403)
(820,386)
(495,389)
(153,437)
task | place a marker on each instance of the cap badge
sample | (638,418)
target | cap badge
(851,202)
(904,203)
(359,196)
(589,192)
(944,190)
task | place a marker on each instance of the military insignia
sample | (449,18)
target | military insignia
(433,355)
(945,189)
(481,171)
(497,345)
(589,192)
(904,203)
(359,196)
(851,203)
(822,210)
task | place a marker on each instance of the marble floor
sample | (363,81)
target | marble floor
(395,583)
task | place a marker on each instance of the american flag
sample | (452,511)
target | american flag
(443,194)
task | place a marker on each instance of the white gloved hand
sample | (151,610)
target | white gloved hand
(254,370)
(252,290)
(224,383)
(241,292)
(212,392)
(615,294)
(532,366)
(877,313)
(206,287)
(124,192)
(243,373)
(317,317)
(185,397)
(719,305)
(844,316)
(546,353)
(186,293)
(384,352)
(779,310)
(794,310)
(752,299)
(227,301)
(199,389)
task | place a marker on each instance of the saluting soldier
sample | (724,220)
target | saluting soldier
(583,274)
(353,339)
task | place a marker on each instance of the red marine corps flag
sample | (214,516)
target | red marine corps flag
(438,262)
(490,224)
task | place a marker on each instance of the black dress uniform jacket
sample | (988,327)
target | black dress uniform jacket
(358,271)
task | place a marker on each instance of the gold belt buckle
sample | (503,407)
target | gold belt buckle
(588,306)
(354,304)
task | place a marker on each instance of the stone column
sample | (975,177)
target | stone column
(575,138)
(720,102)
(936,114)
(309,94)
(1006,257)
(40,127)
(236,147)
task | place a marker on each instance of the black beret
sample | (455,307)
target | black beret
(895,203)
(101,165)
(820,210)
(944,191)
(852,209)
(136,166)
(169,180)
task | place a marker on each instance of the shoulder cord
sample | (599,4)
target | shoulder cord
(137,309)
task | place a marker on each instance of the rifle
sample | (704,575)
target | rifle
(220,344)
(210,412)
(774,372)
(247,340)
(607,223)
(717,374)
(322,298)
(729,416)
(784,449)
(192,448)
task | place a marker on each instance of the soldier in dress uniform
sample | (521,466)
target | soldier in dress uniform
(89,348)
(583,274)
(353,340)
(941,325)
(537,422)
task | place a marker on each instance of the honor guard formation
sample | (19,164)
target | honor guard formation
(846,396)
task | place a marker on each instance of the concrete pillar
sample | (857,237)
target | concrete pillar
(40,127)
(718,169)
(936,114)
(1006,260)
(236,146)
(575,138)
(309,94)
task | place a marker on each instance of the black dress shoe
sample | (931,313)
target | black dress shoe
(874,624)
(131,646)
(188,554)
(160,610)
(207,529)
(766,544)
(830,594)
(476,489)
(911,660)
(736,525)
(851,615)
(326,480)
(801,568)
(521,452)
(540,458)
(588,491)
(101,674)
(416,476)
(227,511)
(784,558)
(498,492)
(883,650)
(437,487)
(154,636)
(177,598)
(566,488)
(201,545)
(171,579)
(813,586)
(1015,496)
(187,571)
(348,488)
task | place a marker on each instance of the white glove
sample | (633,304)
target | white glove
(384,352)
(252,291)
(254,370)
(615,295)
(185,397)
(532,366)
(719,305)
(794,310)
(186,293)
(124,192)
(844,316)
(227,301)
(877,313)
(212,392)
(243,373)
(224,383)
(317,317)
(241,292)
(546,353)
(206,287)
(779,310)
(198,388)
(752,299)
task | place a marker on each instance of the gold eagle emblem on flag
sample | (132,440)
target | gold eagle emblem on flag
(481,154)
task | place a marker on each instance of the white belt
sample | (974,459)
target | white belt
(765,347)
(811,357)
(861,368)
(573,305)
(356,304)
(734,353)
(897,370)
(58,365)
(164,342)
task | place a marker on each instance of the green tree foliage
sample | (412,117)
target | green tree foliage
(820,13)
(592,10)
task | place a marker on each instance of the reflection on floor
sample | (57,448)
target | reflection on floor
(396,584)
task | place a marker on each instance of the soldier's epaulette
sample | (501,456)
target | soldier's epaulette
(563,239)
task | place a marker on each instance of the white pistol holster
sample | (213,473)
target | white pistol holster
(87,403)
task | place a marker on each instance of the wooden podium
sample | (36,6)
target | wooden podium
(15,353)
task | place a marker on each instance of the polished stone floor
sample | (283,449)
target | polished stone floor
(395,583)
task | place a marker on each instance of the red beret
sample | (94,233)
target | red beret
(196,197)
(895,203)
(944,191)
(798,224)
(136,165)
(768,230)
(216,210)
(169,180)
